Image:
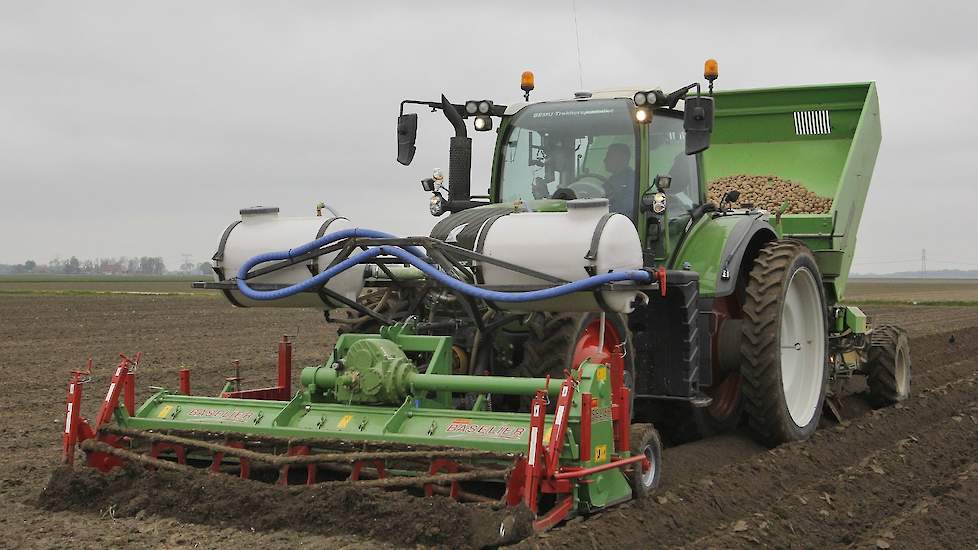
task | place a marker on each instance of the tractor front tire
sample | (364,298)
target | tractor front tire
(888,365)
(783,351)
(645,440)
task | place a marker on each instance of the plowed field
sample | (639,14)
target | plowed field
(902,477)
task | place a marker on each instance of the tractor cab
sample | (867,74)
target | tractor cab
(633,147)
(598,148)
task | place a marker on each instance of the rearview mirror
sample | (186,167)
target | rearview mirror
(407,134)
(698,123)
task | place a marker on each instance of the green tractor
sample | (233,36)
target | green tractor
(529,350)
(753,324)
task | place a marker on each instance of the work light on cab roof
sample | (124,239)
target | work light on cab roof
(526,84)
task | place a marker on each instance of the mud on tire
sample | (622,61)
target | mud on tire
(775,383)
(888,365)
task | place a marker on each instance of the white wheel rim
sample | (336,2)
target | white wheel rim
(649,475)
(902,372)
(802,337)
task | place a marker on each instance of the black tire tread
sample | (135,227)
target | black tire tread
(547,350)
(885,341)
(640,436)
(760,365)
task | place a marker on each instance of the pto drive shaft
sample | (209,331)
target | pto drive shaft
(376,370)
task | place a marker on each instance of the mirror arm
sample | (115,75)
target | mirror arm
(673,99)
(432,104)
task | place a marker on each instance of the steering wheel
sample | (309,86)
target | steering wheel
(588,187)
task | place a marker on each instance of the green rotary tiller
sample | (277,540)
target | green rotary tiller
(382,411)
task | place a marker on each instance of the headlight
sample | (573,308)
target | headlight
(640,99)
(484,107)
(642,115)
(659,203)
(482,123)
(437,205)
(471,107)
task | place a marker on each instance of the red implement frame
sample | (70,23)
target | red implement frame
(73,417)
(280,392)
(538,473)
(78,429)
(542,473)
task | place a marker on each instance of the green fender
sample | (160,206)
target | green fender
(715,247)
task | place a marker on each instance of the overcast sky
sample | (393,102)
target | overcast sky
(139,128)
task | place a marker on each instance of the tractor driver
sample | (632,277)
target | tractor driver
(620,186)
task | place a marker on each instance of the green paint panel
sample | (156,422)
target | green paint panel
(703,249)
(786,132)
(855,320)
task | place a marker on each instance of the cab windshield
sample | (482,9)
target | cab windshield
(575,149)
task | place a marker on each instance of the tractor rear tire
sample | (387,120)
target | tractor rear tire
(553,340)
(888,365)
(645,440)
(783,351)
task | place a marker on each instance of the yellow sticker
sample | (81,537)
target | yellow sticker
(601,453)
(164,411)
(601,374)
(344,421)
(546,435)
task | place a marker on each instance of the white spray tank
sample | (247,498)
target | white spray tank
(583,241)
(262,230)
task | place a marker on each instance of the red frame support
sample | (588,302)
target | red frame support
(534,457)
(541,473)
(185,381)
(281,392)
(285,368)
(359,465)
(442,465)
(297,450)
(73,417)
(559,430)
(160,447)
(586,406)
(122,380)
(573,473)
(244,465)
(129,392)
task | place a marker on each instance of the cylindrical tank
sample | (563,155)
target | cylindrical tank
(261,230)
(585,240)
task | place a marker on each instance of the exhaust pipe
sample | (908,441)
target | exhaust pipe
(459,161)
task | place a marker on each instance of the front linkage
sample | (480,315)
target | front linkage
(370,415)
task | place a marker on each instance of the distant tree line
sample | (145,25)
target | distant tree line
(123,265)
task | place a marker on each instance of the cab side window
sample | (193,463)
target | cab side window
(667,144)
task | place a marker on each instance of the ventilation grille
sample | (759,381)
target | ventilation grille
(812,123)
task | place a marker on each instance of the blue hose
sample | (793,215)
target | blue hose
(414,257)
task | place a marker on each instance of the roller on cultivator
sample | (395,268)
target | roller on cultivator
(368,415)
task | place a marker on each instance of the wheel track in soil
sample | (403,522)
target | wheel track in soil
(854,502)
(836,461)
(686,462)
